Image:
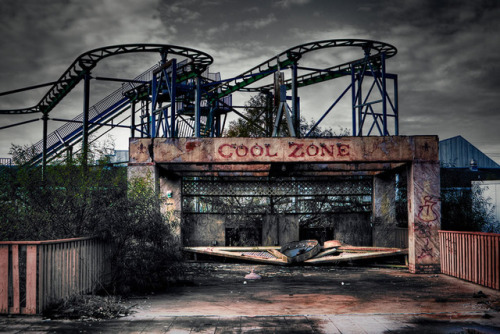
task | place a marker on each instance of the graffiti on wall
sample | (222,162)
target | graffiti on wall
(428,216)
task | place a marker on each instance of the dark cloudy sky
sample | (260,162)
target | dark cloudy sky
(447,62)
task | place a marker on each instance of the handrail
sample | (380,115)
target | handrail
(292,55)
(44,242)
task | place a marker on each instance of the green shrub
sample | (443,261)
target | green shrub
(74,201)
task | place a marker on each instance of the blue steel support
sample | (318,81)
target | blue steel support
(209,126)
(295,107)
(145,120)
(132,120)
(359,102)
(217,125)
(384,95)
(328,110)
(197,110)
(45,119)
(154,98)
(85,125)
(173,92)
(396,107)
(353,86)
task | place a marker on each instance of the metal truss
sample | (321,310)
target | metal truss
(181,98)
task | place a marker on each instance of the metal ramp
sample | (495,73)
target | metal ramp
(103,113)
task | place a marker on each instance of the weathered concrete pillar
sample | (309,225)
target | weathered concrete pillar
(142,165)
(270,231)
(424,217)
(278,230)
(288,229)
(384,210)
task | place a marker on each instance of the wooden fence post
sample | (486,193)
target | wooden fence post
(4,279)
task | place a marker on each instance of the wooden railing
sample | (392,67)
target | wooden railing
(34,274)
(471,256)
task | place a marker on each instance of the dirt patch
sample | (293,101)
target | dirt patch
(220,289)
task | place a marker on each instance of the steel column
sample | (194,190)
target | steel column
(85,125)
(353,84)
(132,120)
(45,119)
(396,106)
(269,114)
(295,107)
(360,103)
(173,94)
(384,95)
(154,97)
(197,111)
(217,127)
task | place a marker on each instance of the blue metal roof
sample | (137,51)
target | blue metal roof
(458,152)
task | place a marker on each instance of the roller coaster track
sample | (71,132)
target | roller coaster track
(196,63)
(294,54)
(88,60)
(200,61)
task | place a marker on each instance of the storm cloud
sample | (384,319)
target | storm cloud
(447,61)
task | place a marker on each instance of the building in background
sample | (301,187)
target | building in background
(466,172)
(457,152)
(119,157)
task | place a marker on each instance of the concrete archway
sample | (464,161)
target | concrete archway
(169,159)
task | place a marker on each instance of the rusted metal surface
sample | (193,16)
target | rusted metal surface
(272,150)
(278,256)
(279,169)
(471,256)
(254,254)
(299,251)
(367,253)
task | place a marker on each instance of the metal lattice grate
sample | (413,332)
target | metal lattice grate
(276,195)
(276,187)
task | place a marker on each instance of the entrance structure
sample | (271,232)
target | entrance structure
(285,180)
(172,162)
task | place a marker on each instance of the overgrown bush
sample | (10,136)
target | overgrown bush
(75,201)
(465,209)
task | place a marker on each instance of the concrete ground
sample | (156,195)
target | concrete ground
(216,298)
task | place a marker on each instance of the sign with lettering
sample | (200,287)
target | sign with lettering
(295,150)
(269,150)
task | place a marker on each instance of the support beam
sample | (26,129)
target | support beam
(295,104)
(424,217)
(197,107)
(396,107)
(384,95)
(173,93)
(45,119)
(353,100)
(85,125)
(132,120)
(154,99)
(384,210)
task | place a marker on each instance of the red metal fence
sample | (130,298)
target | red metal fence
(35,273)
(471,256)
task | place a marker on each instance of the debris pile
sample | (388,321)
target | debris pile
(306,251)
